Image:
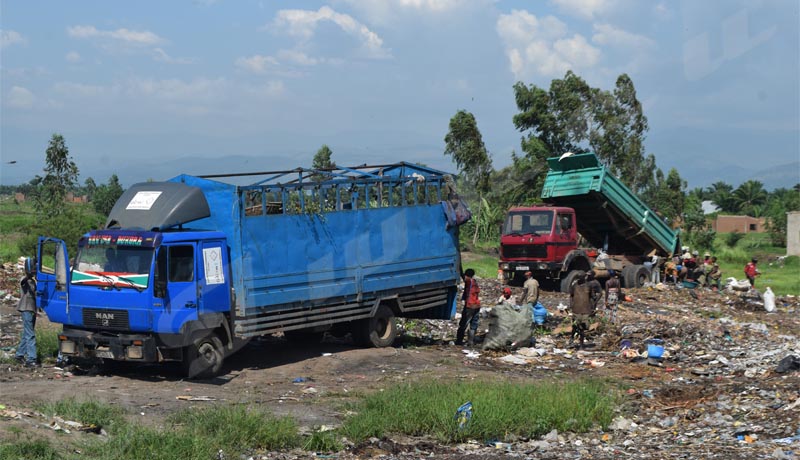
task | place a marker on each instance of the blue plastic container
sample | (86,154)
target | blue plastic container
(539,313)
(654,351)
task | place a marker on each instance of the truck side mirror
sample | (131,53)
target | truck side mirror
(160,277)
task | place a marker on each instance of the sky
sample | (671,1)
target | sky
(148,90)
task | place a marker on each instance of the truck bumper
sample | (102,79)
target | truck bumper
(119,347)
(532,266)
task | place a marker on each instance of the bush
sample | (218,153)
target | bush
(732,239)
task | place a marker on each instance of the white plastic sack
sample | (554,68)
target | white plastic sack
(769,300)
(509,326)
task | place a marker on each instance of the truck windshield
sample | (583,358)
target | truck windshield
(113,266)
(528,222)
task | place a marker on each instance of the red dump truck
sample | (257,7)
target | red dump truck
(583,199)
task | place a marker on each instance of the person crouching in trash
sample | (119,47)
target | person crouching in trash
(583,297)
(613,294)
(26,350)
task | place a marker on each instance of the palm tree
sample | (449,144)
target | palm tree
(721,194)
(750,197)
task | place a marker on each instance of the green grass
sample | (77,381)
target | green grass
(29,449)
(201,434)
(782,278)
(46,343)
(499,409)
(87,412)
(485,266)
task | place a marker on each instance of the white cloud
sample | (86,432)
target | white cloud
(20,98)
(585,9)
(257,64)
(298,57)
(386,12)
(173,89)
(606,34)
(73,57)
(80,90)
(131,37)
(162,56)
(269,89)
(10,37)
(540,46)
(302,24)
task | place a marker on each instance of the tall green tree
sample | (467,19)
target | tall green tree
(750,197)
(464,143)
(61,175)
(721,194)
(572,116)
(106,195)
(90,186)
(322,160)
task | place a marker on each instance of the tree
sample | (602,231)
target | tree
(61,176)
(106,195)
(464,144)
(90,186)
(721,194)
(572,116)
(750,197)
(780,202)
(322,159)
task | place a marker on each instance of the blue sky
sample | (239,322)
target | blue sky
(149,90)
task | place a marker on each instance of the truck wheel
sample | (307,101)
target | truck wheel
(203,358)
(636,276)
(571,277)
(378,331)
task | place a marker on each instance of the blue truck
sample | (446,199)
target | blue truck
(188,269)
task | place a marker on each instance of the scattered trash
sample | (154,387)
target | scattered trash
(195,398)
(790,363)
(463,415)
(301,380)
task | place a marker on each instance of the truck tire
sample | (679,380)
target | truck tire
(636,276)
(378,331)
(203,358)
(571,277)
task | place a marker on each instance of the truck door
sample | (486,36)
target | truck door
(52,279)
(213,279)
(176,287)
(565,235)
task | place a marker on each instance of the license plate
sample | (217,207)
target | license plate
(105,354)
(522,267)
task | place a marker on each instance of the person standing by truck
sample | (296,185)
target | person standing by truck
(472,305)
(26,350)
(613,294)
(583,297)
(530,290)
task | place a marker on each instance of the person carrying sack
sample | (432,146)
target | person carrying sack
(26,350)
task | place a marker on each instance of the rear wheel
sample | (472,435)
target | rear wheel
(571,277)
(636,276)
(378,331)
(204,357)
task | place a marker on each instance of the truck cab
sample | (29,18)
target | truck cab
(537,239)
(140,296)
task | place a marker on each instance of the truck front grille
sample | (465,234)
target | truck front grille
(524,251)
(105,319)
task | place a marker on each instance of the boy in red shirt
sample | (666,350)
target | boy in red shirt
(472,305)
(751,271)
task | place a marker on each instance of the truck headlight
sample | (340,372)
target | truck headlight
(67,347)
(504,266)
(542,266)
(134,352)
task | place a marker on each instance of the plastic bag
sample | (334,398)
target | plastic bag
(508,325)
(769,300)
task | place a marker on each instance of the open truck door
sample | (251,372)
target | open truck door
(52,279)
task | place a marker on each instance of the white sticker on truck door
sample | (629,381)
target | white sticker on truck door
(212,261)
(143,200)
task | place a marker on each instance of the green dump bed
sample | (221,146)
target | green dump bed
(606,210)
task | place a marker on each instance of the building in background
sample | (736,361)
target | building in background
(793,233)
(741,224)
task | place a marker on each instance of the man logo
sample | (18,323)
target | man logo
(105,318)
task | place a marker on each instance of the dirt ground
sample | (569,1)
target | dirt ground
(715,394)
